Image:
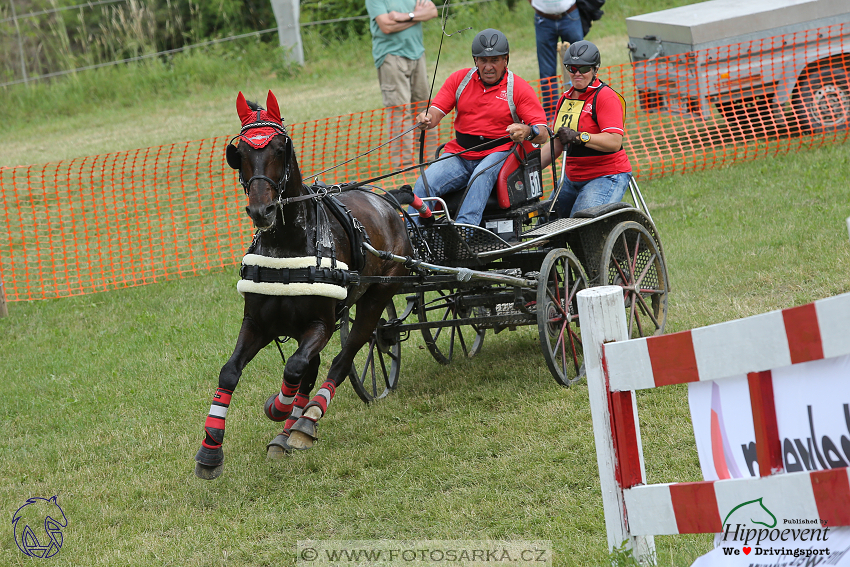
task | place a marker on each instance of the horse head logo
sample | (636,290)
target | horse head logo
(38,527)
(755,511)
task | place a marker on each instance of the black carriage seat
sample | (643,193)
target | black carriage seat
(599,210)
(519,184)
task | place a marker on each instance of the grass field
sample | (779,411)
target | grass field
(104,396)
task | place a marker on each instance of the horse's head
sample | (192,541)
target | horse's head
(263,155)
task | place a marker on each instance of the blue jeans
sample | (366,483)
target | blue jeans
(580,195)
(568,28)
(453,174)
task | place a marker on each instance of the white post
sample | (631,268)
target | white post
(602,314)
(288,16)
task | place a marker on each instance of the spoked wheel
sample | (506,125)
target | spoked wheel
(375,370)
(631,259)
(444,342)
(561,278)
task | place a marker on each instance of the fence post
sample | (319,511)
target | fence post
(4,311)
(20,42)
(288,16)
(603,320)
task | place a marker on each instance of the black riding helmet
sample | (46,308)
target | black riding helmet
(490,43)
(583,53)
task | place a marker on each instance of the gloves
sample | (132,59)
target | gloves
(568,136)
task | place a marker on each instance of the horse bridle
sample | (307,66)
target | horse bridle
(280,130)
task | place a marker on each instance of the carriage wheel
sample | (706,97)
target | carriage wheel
(442,341)
(631,260)
(377,365)
(561,278)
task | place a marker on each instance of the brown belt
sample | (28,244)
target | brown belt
(556,16)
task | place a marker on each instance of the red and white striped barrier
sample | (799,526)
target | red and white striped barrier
(752,347)
(755,344)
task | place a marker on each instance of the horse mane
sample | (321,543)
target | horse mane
(253,105)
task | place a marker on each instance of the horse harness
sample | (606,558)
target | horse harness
(323,275)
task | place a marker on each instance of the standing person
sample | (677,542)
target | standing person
(553,20)
(399,54)
(492,106)
(589,125)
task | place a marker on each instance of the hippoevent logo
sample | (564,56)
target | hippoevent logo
(760,541)
(38,527)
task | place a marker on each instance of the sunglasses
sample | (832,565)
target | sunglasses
(583,69)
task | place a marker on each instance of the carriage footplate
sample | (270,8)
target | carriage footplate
(461,241)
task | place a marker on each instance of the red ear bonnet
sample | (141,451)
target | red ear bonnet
(274,109)
(245,114)
(268,122)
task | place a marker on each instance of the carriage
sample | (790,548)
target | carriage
(326,257)
(519,268)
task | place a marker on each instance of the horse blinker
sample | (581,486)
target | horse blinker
(234,159)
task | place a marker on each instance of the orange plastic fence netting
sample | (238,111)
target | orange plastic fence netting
(130,218)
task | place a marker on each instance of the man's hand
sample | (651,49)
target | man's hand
(568,136)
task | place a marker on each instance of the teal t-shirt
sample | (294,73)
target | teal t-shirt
(406,43)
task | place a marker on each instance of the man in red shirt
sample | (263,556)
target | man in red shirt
(495,108)
(589,125)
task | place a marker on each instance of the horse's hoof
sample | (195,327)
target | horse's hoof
(208,473)
(209,457)
(300,441)
(278,447)
(271,411)
(305,426)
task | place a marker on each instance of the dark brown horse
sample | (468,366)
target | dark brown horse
(294,277)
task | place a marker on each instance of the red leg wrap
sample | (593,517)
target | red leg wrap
(324,396)
(214,424)
(297,409)
(283,402)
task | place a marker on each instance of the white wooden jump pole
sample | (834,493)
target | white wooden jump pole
(602,314)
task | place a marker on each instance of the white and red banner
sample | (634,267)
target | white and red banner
(812,401)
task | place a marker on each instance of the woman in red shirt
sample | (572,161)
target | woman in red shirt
(589,125)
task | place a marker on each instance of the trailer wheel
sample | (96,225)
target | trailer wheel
(561,278)
(376,368)
(822,100)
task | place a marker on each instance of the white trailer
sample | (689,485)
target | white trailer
(720,55)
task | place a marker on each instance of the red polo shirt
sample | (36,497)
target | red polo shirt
(610,114)
(484,111)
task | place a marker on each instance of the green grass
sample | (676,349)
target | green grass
(104,396)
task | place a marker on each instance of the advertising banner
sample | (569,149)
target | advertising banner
(812,402)
(812,411)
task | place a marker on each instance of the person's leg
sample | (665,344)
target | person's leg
(483,180)
(600,191)
(443,177)
(566,198)
(569,27)
(546,32)
(393,75)
(419,90)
